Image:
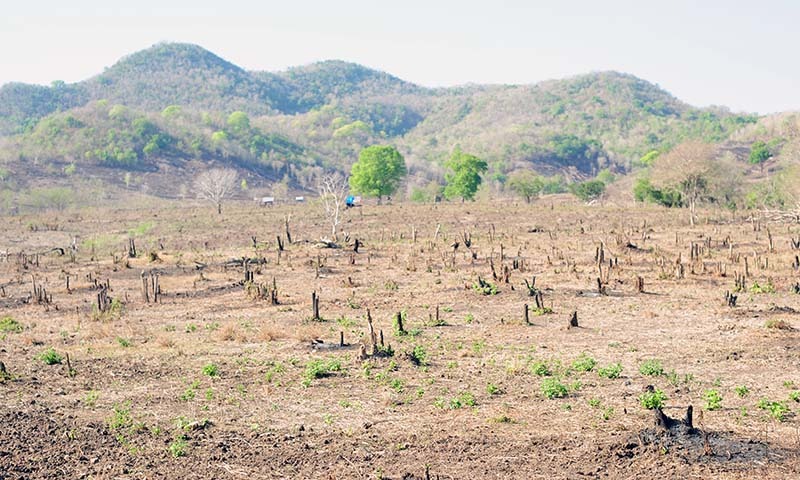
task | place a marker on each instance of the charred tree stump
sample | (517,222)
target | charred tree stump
(573,320)
(730,299)
(640,284)
(131,248)
(280,243)
(315,307)
(145,288)
(288,233)
(372,337)
(525,314)
(399,320)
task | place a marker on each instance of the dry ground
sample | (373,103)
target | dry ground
(212,383)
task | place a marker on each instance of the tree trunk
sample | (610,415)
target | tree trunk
(219,208)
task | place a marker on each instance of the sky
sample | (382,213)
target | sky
(735,53)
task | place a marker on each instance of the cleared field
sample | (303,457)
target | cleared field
(213,380)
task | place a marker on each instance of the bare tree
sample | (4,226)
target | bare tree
(690,167)
(215,185)
(332,189)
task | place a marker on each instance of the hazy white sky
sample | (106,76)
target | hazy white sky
(734,53)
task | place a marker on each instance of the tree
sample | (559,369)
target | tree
(465,176)
(689,168)
(759,153)
(526,184)
(332,191)
(588,190)
(378,171)
(215,185)
(239,122)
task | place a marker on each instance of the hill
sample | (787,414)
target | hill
(169,108)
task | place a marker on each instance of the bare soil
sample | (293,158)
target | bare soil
(212,382)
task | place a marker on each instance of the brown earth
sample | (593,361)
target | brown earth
(140,402)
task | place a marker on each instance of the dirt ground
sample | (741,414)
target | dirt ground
(213,381)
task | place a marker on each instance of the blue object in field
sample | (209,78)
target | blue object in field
(350,200)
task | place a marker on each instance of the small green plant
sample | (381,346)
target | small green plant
(713,400)
(541,369)
(211,370)
(9,325)
(190,392)
(493,389)
(502,419)
(464,399)
(50,357)
(90,399)
(652,399)
(391,285)
(121,417)
(319,369)
(553,388)
(397,385)
(794,396)
(418,356)
(610,371)
(123,342)
(594,402)
(742,391)
(178,447)
(190,328)
(584,363)
(346,322)
(788,384)
(776,410)
(608,412)
(651,368)
(469,318)
(485,288)
(766,288)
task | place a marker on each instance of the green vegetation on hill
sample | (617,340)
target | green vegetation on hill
(174,105)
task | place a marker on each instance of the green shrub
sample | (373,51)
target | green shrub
(9,325)
(776,410)
(50,357)
(742,391)
(584,363)
(651,368)
(211,370)
(610,371)
(319,369)
(553,388)
(651,400)
(713,400)
(541,369)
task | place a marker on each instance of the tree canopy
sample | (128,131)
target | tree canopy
(465,175)
(525,183)
(378,171)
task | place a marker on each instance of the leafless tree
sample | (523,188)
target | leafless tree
(332,190)
(691,168)
(215,185)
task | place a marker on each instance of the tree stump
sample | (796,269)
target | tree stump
(573,320)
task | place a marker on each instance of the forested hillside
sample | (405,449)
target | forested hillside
(175,108)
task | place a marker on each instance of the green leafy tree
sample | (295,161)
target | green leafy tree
(526,184)
(759,153)
(239,122)
(378,171)
(588,190)
(465,175)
